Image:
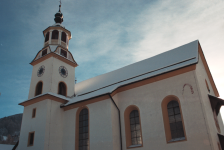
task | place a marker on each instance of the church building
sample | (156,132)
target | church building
(166,102)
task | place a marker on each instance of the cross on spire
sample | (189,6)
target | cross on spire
(60,6)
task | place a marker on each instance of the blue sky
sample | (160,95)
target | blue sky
(106,35)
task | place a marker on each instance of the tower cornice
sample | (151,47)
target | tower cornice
(49,95)
(52,54)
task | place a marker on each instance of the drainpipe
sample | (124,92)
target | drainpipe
(119,118)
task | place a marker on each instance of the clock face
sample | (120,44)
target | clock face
(40,71)
(63,71)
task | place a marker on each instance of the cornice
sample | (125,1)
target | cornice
(52,54)
(43,97)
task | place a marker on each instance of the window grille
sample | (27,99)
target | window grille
(136,138)
(175,120)
(83,130)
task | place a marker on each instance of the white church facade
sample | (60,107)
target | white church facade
(168,101)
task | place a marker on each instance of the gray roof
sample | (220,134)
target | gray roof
(106,83)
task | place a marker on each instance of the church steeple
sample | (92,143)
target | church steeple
(54,62)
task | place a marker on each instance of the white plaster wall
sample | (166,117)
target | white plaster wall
(115,127)
(69,129)
(54,126)
(148,99)
(201,75)
(51,77)
(46,77)
(48,126)
(104,125)
(37,124)
(101,127)
(56,77)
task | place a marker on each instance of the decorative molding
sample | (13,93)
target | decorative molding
(192,90)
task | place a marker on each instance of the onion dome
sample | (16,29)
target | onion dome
(58,16)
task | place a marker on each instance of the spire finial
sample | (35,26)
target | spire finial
(58,16)
(60,6)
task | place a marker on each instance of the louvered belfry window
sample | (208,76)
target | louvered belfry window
(55,34)
(83,130)
(63,37)
(136,138)
(176,126)
(47,37)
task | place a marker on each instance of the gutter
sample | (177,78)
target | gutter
(119,118)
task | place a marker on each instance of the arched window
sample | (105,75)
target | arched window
(133,127)
(39,87)
(47,37)
(84,129)
(63,37)
(62,89)
(136,138)
(175,120)
(55,34)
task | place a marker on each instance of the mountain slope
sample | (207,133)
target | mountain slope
(10,129)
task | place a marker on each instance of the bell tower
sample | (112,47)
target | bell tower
(52,82)
(54,66)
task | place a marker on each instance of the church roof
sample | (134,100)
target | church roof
(165,62)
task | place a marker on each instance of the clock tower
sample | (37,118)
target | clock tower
(52,84)
(54,66)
